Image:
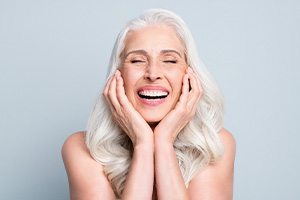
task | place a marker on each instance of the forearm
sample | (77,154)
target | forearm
(169,181)
(139,181)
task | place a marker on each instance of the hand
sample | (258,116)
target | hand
(185,109)
(124,113)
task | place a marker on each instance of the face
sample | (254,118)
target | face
(153,68)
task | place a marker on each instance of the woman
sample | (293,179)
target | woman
(157,130)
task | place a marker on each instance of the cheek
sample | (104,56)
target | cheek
(176,78)
(128,84)
(130,78)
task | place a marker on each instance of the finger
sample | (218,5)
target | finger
(105,91)
(199,86)
(193,81)
(200,93)
(122,98)
(195,91)
(183,99)
(112,94)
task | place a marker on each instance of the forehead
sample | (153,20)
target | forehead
(154,38)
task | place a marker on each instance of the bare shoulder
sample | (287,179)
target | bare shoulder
(77,158)
(85,175)
(216,180)
(74,148)
(74,142)
(73,138)
(229,141)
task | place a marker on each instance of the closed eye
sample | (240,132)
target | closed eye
(137,61)
(171,61)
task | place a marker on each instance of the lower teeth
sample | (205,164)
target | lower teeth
(154,97)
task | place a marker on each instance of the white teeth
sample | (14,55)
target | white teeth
(153,93)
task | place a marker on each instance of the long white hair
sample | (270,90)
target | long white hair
(198,143)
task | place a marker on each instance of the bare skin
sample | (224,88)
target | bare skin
(152,129)
(88,182)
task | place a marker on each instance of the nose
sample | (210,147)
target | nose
(153,72)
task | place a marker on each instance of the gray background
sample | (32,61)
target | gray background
(54,55)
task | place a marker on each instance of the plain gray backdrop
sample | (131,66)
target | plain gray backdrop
(54,57)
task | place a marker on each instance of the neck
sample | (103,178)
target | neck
(153,125)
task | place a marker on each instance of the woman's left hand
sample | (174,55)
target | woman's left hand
(169,127)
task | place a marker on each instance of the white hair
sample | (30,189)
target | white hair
(198,143)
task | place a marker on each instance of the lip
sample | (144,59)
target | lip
(152,102)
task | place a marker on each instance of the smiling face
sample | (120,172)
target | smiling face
(153,68)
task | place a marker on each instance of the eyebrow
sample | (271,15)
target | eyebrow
(141,51)
(170,51)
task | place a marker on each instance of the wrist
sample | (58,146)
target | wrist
(163,139)
(146,145)
(165,143)
(165,135)
(142,139)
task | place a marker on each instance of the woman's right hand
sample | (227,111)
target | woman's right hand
(124,113)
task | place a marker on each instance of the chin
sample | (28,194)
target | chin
(152,117)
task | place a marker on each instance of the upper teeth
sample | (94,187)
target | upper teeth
(153,93)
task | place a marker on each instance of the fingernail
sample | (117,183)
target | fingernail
(190,70)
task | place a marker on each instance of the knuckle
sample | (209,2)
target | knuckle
(190,109)
(114,116)
(119,96)
(197,92)
(110,93)
(119,111)
(122,103)
(181,110)
(104,93)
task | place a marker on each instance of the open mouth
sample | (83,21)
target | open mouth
(152,94)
